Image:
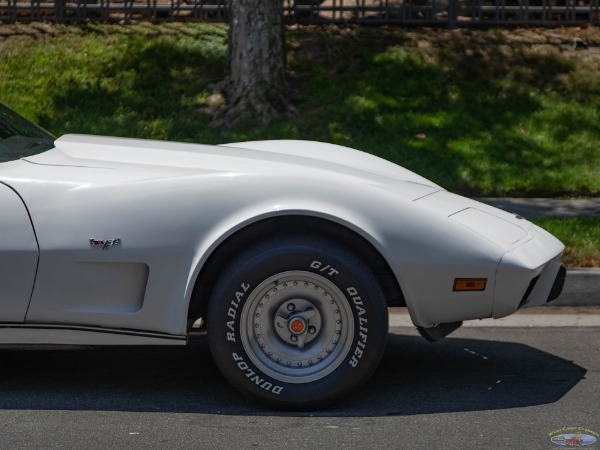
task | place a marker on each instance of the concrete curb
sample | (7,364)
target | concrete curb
(582,288)
(545,316)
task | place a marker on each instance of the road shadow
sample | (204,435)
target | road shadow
(415,377)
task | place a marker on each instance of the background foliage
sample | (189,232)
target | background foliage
(498,112)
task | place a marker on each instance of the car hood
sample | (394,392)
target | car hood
(280,157)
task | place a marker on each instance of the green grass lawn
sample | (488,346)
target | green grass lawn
(580,235)
(479,112)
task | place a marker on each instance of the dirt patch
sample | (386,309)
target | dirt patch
(421,36)
(33,30)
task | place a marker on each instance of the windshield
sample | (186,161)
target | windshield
(20,138)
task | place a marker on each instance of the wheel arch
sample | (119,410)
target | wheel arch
(281,224)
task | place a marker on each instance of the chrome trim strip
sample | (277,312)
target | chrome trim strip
(53,334)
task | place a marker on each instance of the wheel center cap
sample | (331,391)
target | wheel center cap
(297,325)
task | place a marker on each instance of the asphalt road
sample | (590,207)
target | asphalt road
(546,207)
(501,388)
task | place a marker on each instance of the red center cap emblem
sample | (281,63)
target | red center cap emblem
(297,325)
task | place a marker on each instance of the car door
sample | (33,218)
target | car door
(18,257)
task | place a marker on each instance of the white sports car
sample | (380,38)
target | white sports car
(286,253)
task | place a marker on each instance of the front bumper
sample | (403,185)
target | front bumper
(529,275)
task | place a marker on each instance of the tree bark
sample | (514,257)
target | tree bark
(255,82)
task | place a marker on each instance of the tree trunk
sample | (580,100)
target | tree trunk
(255,82)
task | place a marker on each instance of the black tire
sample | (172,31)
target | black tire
(297,322)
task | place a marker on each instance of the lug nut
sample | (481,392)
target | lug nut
(291,307)
(312,330)
(294,338)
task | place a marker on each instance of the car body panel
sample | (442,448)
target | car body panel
(539,256)
(170,205)
(18,258)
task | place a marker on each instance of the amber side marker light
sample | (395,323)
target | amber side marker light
(469,284)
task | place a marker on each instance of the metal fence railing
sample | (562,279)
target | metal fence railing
(451,13)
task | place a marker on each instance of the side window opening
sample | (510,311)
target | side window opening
(20,138)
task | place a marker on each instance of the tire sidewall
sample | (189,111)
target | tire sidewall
(334,263)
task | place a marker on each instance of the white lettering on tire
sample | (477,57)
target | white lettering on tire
(327,269)
(254,377)
(362,326)
(232,311)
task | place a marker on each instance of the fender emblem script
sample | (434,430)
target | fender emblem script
(105,244)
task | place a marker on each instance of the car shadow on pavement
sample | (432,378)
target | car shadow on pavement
(415,377)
